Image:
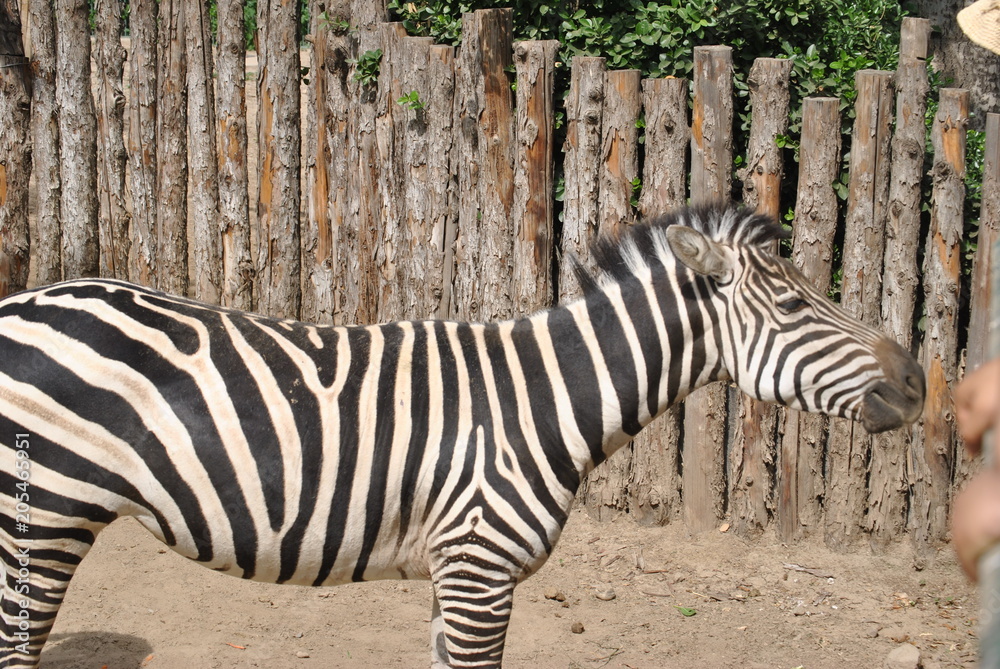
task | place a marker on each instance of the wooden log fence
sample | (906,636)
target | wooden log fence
(428,192)
(802,457)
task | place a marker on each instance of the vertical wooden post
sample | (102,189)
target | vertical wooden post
(142,103)
(620,148)
(317,263)
(581,205)
(711,177)
(655,488)
(45,144)
(278,286)
(391,239)
(423,266)
(769,100)
(206,236)
(888,488)
(581,209)
(605,492)
(485,120)
(171,146)
(359,302)
(113,221)
(338,107)
(933,449)
(668,136)
(989,563)
(442,211)
(861,292)
(234,195)
(989,232)
(15,168)
(78,138)
(800,474)
(535,64)
(712,124)
(753,453)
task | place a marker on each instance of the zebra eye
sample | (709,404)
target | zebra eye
(792,305)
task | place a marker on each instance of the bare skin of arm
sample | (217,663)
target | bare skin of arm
(975,514)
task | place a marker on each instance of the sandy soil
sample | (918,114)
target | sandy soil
(133,603)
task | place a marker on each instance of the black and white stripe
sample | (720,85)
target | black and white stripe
(295,453)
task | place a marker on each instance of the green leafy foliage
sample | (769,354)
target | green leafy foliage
(412,101)
(828,41)
(366,67)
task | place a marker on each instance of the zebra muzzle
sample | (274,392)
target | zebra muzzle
(898,399)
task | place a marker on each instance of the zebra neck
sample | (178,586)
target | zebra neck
(624,354)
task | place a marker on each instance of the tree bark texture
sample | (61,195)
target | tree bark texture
(278,287)
(619,148)
(206,235)
(15,149)
(422,258)
(753,452)
(391,239)
(233,182)
(769,100)
(989,230)
(485,120)
(887,481)
(582,151)
(712,124)
(581,221)
(668,137)
(317,262)
(171,147)
(441,175)
(113,222)
(47,267)
(607,492)
(142,153)
(960,61)
(317,246)
(985,269)
(334,117)
(861,294)
(933,450)
(361,300)
(532,287)
(801,486)
(711,167)
(655,487)
(78,138)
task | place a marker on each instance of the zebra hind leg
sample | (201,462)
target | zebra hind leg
(471,614)
(36,576)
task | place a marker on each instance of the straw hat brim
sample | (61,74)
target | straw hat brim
(981,23)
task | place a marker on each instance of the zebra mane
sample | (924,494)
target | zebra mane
(617,257)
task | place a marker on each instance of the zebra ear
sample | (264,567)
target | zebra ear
(699,253)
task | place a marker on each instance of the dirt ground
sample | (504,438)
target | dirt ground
(133,603)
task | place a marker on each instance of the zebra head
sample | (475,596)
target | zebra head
(784,341)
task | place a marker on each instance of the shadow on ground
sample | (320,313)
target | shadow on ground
(92,650)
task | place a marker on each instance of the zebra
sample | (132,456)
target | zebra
(288,452)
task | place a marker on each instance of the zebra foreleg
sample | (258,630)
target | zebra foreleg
(36,576)
(471,612)
(439,647)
